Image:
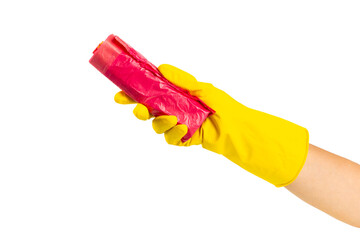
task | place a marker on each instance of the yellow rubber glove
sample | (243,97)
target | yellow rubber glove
(270,147)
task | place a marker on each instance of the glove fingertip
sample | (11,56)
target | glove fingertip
(163,123)
(122,98)
(141,112)
(175,134)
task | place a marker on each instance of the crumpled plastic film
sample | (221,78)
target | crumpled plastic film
(143,82)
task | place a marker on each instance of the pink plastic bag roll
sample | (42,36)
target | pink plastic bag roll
(143,82)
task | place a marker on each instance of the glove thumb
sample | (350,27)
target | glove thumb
(180,78)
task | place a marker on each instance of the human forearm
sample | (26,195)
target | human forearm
(330,183)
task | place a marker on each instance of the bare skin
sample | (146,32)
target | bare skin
(330,183)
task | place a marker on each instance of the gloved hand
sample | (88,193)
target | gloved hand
(270,147)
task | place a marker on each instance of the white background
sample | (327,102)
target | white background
(76,165)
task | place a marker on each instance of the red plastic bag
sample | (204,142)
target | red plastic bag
(143,82)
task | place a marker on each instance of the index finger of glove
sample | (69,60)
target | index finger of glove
(122,98)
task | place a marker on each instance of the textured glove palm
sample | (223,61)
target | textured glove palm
(270,147)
